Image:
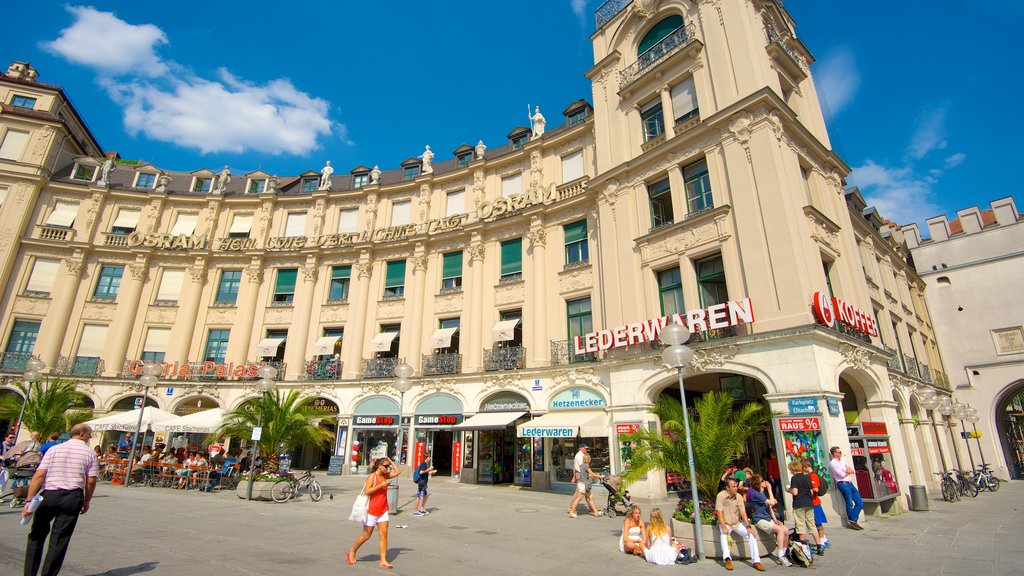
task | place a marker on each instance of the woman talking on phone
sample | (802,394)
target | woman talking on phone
(382,470)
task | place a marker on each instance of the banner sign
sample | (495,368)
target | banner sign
(874,429)
(577,398)
(629,428)
(799,424)
(421,454)
(456,457)
(802,406)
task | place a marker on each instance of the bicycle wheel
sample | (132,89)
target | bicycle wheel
(315,492)
(281,491)
(969,487)
(948,491)
(993,483)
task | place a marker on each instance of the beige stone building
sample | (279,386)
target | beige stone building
(524,282)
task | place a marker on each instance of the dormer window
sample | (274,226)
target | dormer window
(518,142)
(23,102)
(360,180)
(310,184)
(410,172)
(145,180)
(577,116)
(577,112)
(84,172)
(257,186)
(464,159)
(202,184)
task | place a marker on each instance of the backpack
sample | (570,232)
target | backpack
(416,475)
(798,556)
(823,485)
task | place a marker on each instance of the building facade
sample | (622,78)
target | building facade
(972,266)
(525,283)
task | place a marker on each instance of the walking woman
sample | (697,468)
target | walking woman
(382,470)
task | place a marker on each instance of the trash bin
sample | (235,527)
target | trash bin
(393,498)
(918,498)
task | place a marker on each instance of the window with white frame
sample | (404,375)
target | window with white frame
(202,184)
(455,203)
(126,222)
(185,223)
(240,226)
(295,224)
(43,276)
(13,145)
(170,285)
(653,120)
(512,185)
(63,215)
(400,213)
(572,166)
(145,180)
(257,186)
(84,172)
(348,219)
(360,180)
(684,100)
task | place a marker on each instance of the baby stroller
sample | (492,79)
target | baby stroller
(20,470)
(612,483)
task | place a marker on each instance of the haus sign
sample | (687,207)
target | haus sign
(829,311)
(715,317)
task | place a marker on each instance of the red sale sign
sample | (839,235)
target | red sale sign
(456,457)
(621,429)
(421,454)
(799,424)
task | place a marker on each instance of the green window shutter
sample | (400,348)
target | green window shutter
(395,274)
(341,272)
(512,256)
(576,231)
(659,32)
(286,280)
(452,265)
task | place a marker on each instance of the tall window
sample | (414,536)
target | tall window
(348,219)
(659,32)
(43,277)
(109,282)
(394,279)
(169,289)
(512,185)
(576,248)
(827,268)
(660,194)
(126,222)
(456,203)
(698,187)
(580,320)
(572,166)
(684,100)
(511,258)
(653,120)
(338,333)
(395,329)
(295,224)
(23,337)
(517,333)
(340,277)
(451,271)
(240,226)
(155,348)
(281,334)
(711,281)
(227,290)
(13,145)
(453,347)
(284,289)
(216,345)
(670,291)
(400,212)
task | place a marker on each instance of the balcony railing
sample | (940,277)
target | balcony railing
(709,335)
(281,366)
(574,188)
(851,332)
(609,10)
(56,233)
(563,352)
(509,358)
(329,369)
(911,365)
(14,361)
(660,51)
(112,239)
(379,367)
(926,373)
(79,366)
(434,364)
(895,361)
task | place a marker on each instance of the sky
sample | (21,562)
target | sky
(188,85)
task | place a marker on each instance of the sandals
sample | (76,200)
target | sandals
(386,565)
(350,557)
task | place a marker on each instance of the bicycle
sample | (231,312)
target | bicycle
(948,485)
(985,478)
(289,488)
(968,484)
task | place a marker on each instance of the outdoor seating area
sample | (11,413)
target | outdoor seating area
(178,475)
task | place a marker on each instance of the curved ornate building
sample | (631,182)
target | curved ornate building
(525,283)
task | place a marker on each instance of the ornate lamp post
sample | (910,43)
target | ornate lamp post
(973,418)
(147,380)
(946,409)
(267,385)
(961,413)
(33,373)
(677,355)
(929,400)
(402,383)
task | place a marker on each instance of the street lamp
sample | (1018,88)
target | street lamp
(973,418)
(929,400)
(266,384)
(962,414)
(402,383)
(147,380)
(33,373)
(677,356)
(946,409)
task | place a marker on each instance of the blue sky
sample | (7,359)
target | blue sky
(921,97)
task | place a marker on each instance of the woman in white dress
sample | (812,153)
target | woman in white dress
(661,549)
(634,534)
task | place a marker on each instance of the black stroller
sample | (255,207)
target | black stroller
(20,470)
(617,501)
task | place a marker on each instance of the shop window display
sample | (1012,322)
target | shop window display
(375,444)
(563,451)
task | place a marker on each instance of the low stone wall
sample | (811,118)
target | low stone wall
(260,490)
(713,542)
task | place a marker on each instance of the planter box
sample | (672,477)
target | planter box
(260,490)
(713,541)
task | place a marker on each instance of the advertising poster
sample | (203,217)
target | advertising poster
(626,446)
(456,457)
(802,438)
(421,454)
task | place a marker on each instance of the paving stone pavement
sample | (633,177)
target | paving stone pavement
(487,530)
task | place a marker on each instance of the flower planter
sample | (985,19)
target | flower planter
(260,490)
(711,537)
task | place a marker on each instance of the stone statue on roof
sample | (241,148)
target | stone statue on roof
(106,170)
(223,179)
(427,157)
(537,121)
(375,175)
(325,177)
(480,149)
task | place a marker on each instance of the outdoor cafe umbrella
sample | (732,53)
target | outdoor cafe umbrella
(203,422)
(127,421)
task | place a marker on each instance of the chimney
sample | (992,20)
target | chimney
(970,219)
(911,235)
(1005,211)
(938,228)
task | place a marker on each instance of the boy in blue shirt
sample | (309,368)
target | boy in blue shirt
(421,476)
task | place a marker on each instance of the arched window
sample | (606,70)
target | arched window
(660,31)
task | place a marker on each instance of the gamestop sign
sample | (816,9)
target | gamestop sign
(828,311)
(715,317)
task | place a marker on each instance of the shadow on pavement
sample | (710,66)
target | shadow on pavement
(127,570)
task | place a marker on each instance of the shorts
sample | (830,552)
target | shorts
(804,520)
(421,491)
(765,526)
(582,487)
(372,520)
(819,516)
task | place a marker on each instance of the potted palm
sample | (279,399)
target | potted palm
(52,407)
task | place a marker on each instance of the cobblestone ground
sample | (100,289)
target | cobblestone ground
(478,530)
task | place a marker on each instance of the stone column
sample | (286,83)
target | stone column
(917,469)
(539,347)
(248,299)
(411,345)
(478,330)
(298,332)
(355,328)
(183,331)
(54,326)
(666,111)
(120,330)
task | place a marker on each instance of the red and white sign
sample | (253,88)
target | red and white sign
(827,312)
(621,429)
(456,457)
(421,454)
(856,451)
(714,317)
(877,447)
(874,429)
(799,424)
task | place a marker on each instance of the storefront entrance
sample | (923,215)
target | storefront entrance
(491,453)
(496,456)
(435,417)
(375,428)
(306,456)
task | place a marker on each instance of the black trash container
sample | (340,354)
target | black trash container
(918,498)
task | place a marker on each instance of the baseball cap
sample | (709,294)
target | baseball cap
(584,445)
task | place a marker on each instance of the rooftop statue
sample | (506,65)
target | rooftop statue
(223,179)
(480,149)
(537,121)
(427,157)
(108,167)
(325,177)
(375,175)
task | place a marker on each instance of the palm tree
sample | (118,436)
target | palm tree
(50,407)
(717,432)
(287,422)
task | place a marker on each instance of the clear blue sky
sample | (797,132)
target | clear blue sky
(922,97)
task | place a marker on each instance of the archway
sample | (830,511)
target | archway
(309,455)
(6,425)
(1009,420)
(869,433)
(129,403)
(194,404)
(375,424)
(434,417)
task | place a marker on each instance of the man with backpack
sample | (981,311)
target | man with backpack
(819,486)
(421,476)
(803,504)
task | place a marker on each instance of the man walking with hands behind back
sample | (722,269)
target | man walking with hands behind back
(66,479)
(842,473)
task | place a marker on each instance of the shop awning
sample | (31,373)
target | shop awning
(268,347)
(127,421)
(504,330)
(325,346)
(382,342)
(442,337)
(204,422)
(488,421)
(568,424)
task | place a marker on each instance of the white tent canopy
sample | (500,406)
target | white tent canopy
(504,330)
(126,421)
(203,422)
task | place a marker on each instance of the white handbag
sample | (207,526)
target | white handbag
(359,508)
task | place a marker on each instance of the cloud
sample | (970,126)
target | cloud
(930,134)
(955,160)
(899,194)
(166,102)
(837,79)
(579,8)
(103,41)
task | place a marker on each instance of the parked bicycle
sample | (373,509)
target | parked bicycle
(949,485)
(985,479)
(968,485)
(289,488)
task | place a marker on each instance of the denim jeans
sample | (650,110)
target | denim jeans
(854,504)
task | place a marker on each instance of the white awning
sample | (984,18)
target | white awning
(127,218)
(488,421)
(63,214)
(127,421)
(442,337)
(382,342)
(44,275)
(325,346)
(241,224)
(504,330)
(295,224)
(268,347)
(567,424)
(185,224)
(203,422)
(157,340)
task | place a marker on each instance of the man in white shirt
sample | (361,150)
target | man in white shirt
(576,462)
(843,475)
